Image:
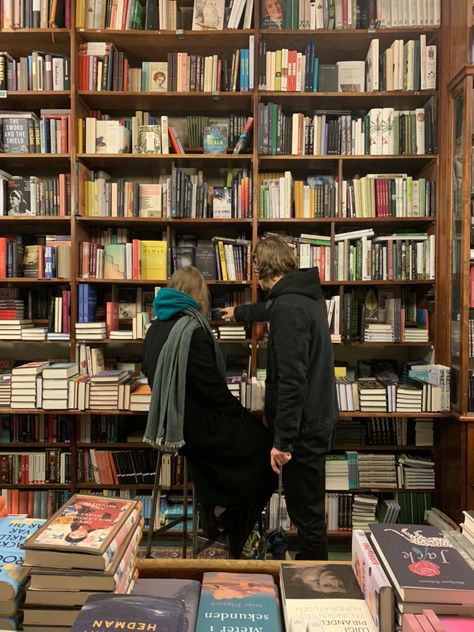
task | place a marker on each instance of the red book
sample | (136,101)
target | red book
(471,293)
(111,317)
(65,314)
(23,503)
(31,504)
(174,141)
(3,257)
(135,259)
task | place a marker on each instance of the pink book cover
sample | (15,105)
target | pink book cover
(457,624)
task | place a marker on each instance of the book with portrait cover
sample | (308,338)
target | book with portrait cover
(373,581)
(253,597)
(130,612)
(423,564)
(19,196)
(326,594)
(208,15)
(215,139)
(86,524)
(273,15)
(13,533)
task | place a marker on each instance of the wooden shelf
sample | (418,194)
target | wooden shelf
(382,490)
(195,102)
(399,162)
(37,445)
(347,221)
(45,162)
(27,281)
(112,446)
(25,220)
(384,282)
(351,100)
(36,485)
(385,344)
(154,282)
(163,221)
(410,415)
(153,161)
(95,486)
(30,99)
(380,448)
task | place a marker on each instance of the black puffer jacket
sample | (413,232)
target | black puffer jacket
(300,397)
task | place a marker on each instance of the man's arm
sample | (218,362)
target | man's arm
(247,313)
(290,336)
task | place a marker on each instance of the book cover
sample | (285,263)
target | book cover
(221,203)
(187,590)
(13,533)
(84,524)
(114,261)
(215,139)
(272,14)
(130,612)
(16,135)
(326,593)
(423,564)
(153,257)
(19,196)
(250,597)
(149,139)
(208,15)
(373,581)
(158,76)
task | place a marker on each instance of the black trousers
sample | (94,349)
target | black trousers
(304,481)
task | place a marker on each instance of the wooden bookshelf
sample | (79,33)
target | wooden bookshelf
(332,46)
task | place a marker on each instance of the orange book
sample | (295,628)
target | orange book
(111,317)
(23,502)
(14,501)
(31,504)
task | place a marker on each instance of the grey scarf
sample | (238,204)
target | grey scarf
(164,429)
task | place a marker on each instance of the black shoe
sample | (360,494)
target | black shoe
(210,525)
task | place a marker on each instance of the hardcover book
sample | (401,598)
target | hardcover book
(149,139)
(215,139)
(153,256)
(253,596)
(423,564)
(208,15)
(187,590)
(158,76)
(130,612)
(114,261)
(13,533)
(19,196)
(87,524)
(373,581)
(326,594)
(221,203)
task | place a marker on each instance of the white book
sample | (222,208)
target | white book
(375,131)
(420,130)
(251,59)
(248,14)
(430,72)
(372,62)
(319,14)
(351,76)
(387,131)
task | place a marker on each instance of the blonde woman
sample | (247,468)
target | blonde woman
(192,410)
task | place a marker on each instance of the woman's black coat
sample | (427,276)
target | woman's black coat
(228,448)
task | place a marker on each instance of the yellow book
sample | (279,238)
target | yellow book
(278,70)
(80,14)
(153,258)
(340,371)
(220,246)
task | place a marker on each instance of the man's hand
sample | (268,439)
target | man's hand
(278,459)
(227,313)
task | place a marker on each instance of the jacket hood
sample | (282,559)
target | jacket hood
(169,302)
(305,282)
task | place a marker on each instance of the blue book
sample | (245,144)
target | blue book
(130,612)
(13,533)
(253,596)
(90,303)
(81,303)
(215,139)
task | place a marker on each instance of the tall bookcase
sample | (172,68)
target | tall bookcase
(331,46)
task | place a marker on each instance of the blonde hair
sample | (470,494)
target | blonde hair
(190,281)
(273,257)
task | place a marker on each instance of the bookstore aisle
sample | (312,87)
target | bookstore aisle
(141,136)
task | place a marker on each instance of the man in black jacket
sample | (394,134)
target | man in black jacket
(300,396)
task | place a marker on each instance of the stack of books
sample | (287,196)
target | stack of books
(35,333)
(109,389)
(13,575)
(428,621)
(55,385)
(232,332)
(377,470)
(372,395)
(24,379)
(337,472)
(121,334)
(409,398)
(12,309)
(5,389)
(425,569)
(416,334)
(11,329)
(141,396)
(90,331)
(415,472)
(378,332)
(88,546)
(388,511)
(364,508)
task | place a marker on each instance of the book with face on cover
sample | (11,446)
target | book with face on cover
(253,596)
(423,564)
(86,524)
(327,595)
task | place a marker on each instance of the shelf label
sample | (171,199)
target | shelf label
(180,33)
(3,94)
(216,94)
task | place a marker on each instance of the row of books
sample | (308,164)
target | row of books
(355,470)
(34,429)
(34,503)
(178,194)
(38,71)
(49,259)
(27,14)
(351,14)
(35,468)
(26,133)
(409,65)
(35,195)
(116,467)
(384,431)
(103,67)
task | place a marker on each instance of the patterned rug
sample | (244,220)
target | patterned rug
(176,552)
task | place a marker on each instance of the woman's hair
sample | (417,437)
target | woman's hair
(273,257)
(190,281)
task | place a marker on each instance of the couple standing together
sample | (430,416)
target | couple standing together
(233,457)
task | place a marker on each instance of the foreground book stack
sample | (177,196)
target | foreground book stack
(88,546)
(425,569)
(13,575)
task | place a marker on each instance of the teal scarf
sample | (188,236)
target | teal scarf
(164,429)
(170,302)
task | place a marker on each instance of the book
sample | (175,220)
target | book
(60,369)
(208,15)
(158,76)
(215,139)
(373,581)
(19,196)
(253,596)
(273,14)
(325,593)
(128,612)
(13,533)
(153,256)
(85,524)
(188,590)
(423,565)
